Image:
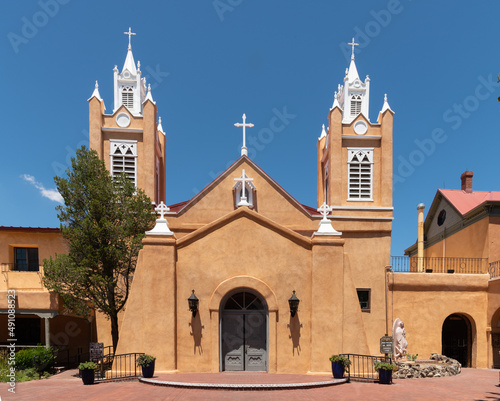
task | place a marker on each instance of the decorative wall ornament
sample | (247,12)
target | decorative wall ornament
(325,225)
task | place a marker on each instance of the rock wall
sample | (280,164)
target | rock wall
(443,366)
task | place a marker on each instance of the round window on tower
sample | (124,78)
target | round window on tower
(123,120)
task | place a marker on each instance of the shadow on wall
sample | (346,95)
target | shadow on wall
(295,327)
(196,332)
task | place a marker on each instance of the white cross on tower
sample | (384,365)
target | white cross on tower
(324,209)
(325,225)
(130,33)
(244,125)
(353,43)
(243,179)
(162,209)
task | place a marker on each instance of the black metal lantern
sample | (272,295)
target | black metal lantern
(294,304)
(193,303)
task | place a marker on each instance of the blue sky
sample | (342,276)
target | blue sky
(211,61)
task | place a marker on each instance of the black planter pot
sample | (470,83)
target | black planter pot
(148,371)
(338,370)
(384,376)
(87,376)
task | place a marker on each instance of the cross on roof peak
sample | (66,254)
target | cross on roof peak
(353,43)
(244,125)
(129,33)
(162,209)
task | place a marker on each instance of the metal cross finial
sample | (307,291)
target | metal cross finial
(324,209)
(162,209)
(353,43)
(244,125)
(243,179)
(130,33)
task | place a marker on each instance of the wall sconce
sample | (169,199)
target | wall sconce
(193,303)
(294,304)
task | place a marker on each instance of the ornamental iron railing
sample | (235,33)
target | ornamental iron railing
(495,269)
(414,264)
(362,367)
(20,267)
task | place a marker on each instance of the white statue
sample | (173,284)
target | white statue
(400,343)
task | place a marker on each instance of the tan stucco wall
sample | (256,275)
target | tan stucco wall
(424,301)
(143,129)
(28,285)
(244,249)
(470,242)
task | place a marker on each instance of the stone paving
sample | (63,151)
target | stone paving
(471,384)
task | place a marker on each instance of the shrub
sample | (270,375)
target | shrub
(39,358)
(340,358)
(385,366)
(145,360)
(88,365)
(24,358)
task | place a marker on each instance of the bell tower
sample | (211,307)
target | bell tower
(355,155)
(131,139)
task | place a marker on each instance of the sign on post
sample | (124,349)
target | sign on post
(386,345)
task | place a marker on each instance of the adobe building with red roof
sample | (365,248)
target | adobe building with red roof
(456,299)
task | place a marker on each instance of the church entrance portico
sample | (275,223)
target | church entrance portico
(244,332)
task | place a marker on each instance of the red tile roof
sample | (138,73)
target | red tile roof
(178,206)
(33,229)
(464,202)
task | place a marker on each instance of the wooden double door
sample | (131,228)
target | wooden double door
(244,333)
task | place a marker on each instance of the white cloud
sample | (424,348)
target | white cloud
(51,194)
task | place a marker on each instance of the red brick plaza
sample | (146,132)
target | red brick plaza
(471,384)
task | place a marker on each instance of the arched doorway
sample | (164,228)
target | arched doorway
(243,331)
(456,339)
(495,339)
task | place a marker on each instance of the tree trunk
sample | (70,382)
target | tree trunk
(114,329)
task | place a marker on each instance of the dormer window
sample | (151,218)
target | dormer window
(128,97)
(355,105)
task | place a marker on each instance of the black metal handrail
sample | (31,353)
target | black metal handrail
(414,264)
(20,267)
(121,366)
(362,367)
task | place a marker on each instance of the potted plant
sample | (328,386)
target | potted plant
(339,363)
(147,362)
(87,371)
(385,372)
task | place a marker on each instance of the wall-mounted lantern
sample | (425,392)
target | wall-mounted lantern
(193,303)
(294,304)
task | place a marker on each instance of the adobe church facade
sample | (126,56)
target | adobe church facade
(245,246)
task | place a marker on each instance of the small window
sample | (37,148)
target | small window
(26,259)
(364,299)
(123,159)
(325,174)
(360,174)
(355,105)
(441,217)
(128,97)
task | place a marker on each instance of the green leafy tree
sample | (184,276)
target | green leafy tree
(103,220)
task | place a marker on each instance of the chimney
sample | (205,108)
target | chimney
(467,181)
(420,238)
